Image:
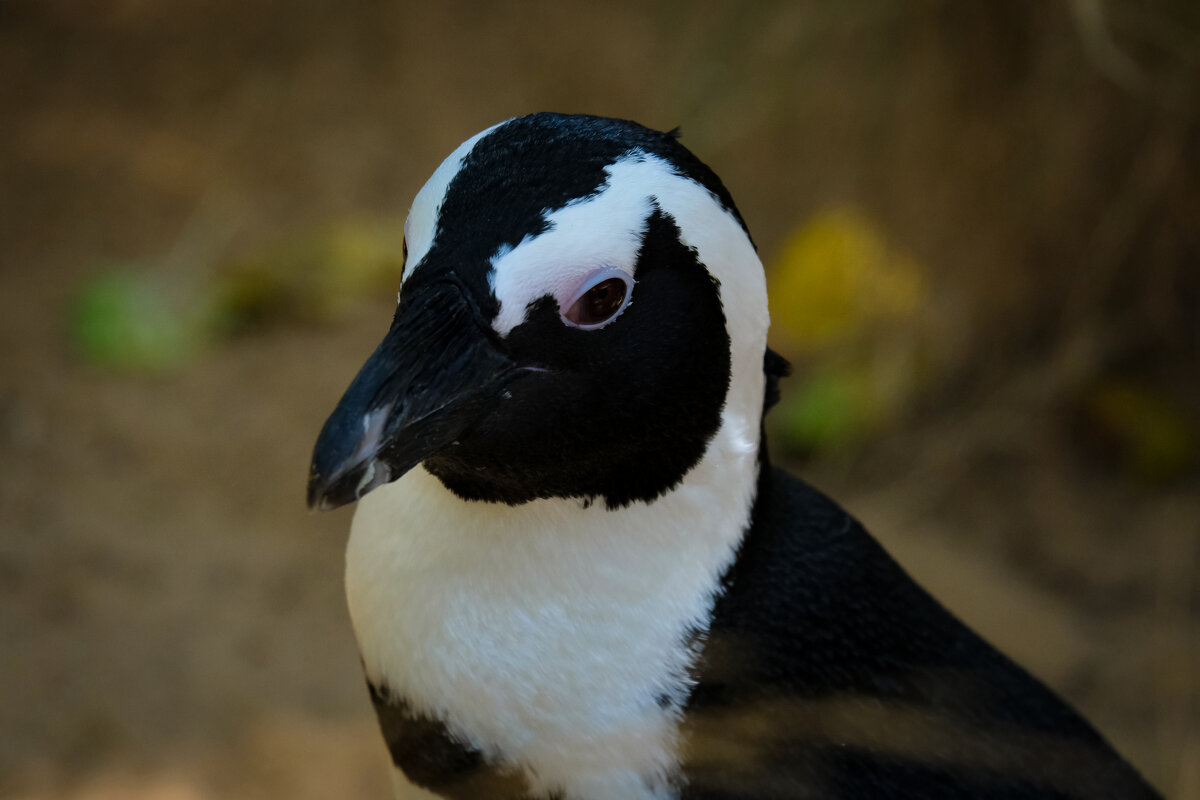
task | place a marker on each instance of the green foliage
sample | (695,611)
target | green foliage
(845,306)
(829,410)
(129,319)
(124,320)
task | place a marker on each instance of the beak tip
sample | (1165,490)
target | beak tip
(318,494)
(346,485)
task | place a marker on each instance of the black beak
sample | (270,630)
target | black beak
(432,377)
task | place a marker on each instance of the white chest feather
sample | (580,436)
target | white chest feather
(546,634)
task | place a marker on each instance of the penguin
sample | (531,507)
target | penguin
(573,572)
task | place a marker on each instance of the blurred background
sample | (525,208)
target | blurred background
(981,222)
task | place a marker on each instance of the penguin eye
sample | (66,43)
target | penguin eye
(601,298)
(599,303)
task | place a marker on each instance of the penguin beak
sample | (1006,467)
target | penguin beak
(432,377)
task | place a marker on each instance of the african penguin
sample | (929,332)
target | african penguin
(573,572)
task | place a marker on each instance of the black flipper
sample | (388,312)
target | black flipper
(829,673)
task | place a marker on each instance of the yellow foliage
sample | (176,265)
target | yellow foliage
(835,277)
(317,275)
(1151,435)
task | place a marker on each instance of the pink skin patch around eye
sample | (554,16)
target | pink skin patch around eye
(593,280)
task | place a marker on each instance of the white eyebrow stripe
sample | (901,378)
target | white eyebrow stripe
(604,229)
(421,225)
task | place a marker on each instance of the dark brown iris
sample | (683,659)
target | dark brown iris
(598,303)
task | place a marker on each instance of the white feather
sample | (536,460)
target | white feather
(421,225)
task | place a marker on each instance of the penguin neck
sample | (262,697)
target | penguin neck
(550,633)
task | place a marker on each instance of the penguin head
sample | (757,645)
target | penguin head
(581,310)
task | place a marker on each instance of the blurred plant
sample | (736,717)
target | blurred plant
(836,278)
(314,278)
(844,307)
(1139,428)
(133,318)
(125,320)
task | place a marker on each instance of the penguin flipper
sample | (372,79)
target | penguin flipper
(828,672)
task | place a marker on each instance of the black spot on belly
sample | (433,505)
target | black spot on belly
(430,756)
